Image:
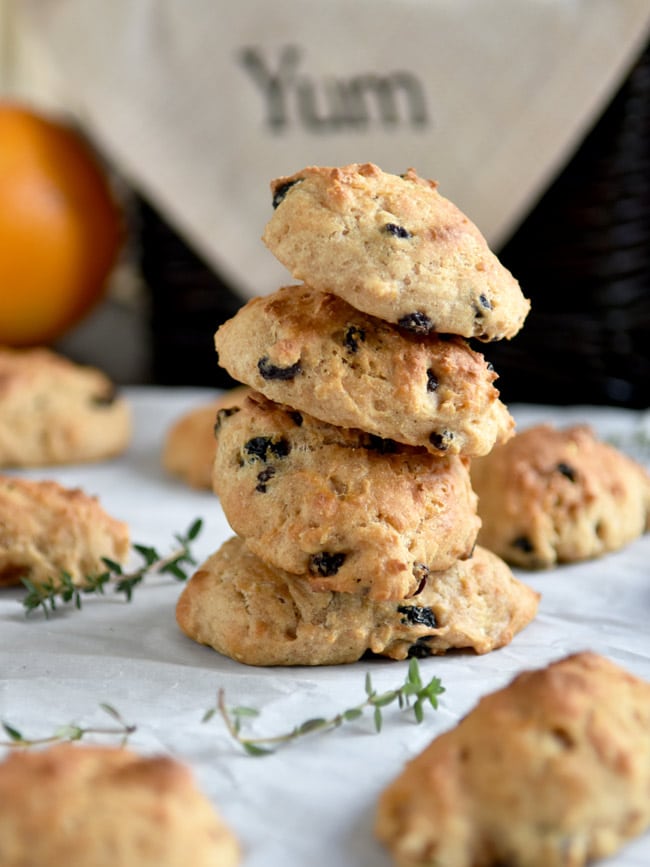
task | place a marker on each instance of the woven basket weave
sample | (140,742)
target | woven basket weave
(583,258)
(188,303)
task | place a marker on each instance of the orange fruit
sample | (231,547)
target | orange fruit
(60,227)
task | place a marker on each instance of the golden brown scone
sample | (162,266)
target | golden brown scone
(53,411)
(46,529)
(78,806)
(354,512)
(552,771)
(259,615)
(555,496)
(188,450)
(393,247)
(313,351)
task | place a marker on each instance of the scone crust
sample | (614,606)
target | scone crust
(47,529)
(353,512)
(258,615)
(551,771)
(313,351)
(189,444)
(53,411)
(393,247)
(553,496)
(75,806)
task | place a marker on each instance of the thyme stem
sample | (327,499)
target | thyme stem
(70,732)
(411,690)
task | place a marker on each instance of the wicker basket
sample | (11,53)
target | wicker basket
(583,258)
(188,302)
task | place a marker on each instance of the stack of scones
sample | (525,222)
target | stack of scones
(345,471)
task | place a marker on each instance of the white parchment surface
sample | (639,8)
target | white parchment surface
(312,802)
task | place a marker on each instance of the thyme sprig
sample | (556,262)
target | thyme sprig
(412,693)
(70,732)
(47,595)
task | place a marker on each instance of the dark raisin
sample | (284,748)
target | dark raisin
(432,380)
(10,575)
(353,336)
(523,543)
(417,616)
(272,371)
(397,231)
(280,448)
(296,417)
(223,414)
(441,441)
(489,366)
(106,399)
(265,448)
(382,445)
(281,191)
(417,322)
(485,305)
(326,564)
(567,471)
(420,650)
(421,572)
(263,477)
(563,737)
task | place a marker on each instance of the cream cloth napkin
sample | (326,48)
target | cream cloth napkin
(202,103)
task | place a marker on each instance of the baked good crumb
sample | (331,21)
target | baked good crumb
(550,771)
(87,806)
(54,411)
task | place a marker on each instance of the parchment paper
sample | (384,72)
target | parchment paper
(312,802)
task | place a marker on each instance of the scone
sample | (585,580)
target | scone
(556,496)
(551,771)
(259,615)
(393,247)
(350,511)
(78,806)
(313,351)
(188,449)
(53,411)
(46,529)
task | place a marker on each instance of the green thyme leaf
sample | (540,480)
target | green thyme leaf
(194,530)
(150,555)
(13,733)
(254,750)
(352,713)
(311,725)
(244,711)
